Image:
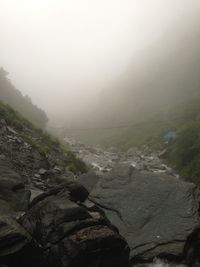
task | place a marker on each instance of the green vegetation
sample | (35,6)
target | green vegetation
(40,141)
(150,132)
(74,164)
(12,117)
(184,152)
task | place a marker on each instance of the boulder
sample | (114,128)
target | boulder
(71,234)
(88,180)
(14,197)
(12,236)
(17,249)
(75,191)
(192,249)
(92,246)
(154,213)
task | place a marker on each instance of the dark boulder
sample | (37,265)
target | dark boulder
(155,213)
(12,236)
(17,248)
(75,191)
(71,234)
(88,180)
(192,249)
(95,246)
(14,197)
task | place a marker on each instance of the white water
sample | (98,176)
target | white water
(161,263)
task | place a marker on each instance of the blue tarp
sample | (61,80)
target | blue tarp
(170,135)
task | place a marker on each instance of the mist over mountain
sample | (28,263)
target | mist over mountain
(162,77)
(23,104)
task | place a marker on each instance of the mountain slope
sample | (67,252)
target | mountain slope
(148,96)
(10,95)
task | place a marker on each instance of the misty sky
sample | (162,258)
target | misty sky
(63,52)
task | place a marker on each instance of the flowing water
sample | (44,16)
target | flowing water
(160,263)
(102,160)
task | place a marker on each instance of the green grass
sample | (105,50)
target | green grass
(40,141)
(12,117)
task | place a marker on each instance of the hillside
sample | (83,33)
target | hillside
(31,152)
(23,104)
(183,153)
(157,80)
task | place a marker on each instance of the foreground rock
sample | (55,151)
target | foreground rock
(88,180)
(155,213)
(12,236)
(17,248)
(72,233)
(192,249)
(14,197)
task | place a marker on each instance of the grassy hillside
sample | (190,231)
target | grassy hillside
(151,131)
(26,146)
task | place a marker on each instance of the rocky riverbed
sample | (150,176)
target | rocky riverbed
(102,161)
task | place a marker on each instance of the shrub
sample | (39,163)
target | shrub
(184,152)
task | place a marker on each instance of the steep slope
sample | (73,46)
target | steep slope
(31,152)
(10,95)
(184,152)
(163,76)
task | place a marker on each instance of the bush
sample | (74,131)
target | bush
(184,152)
(41,141)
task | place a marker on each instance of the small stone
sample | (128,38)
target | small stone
(11,130)
(42,171)
(2,156)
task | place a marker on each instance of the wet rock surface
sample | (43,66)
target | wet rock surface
(155,213)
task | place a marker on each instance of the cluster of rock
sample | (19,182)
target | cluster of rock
(40,170)
(58,228)
(102,161)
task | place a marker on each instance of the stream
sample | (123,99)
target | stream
(102,161)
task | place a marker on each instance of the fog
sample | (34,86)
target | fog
(64,53)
